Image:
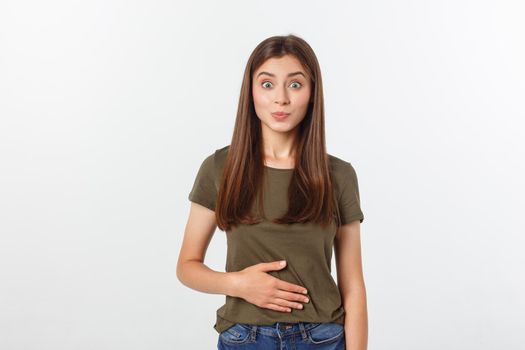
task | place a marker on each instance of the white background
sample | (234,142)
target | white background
(109,107)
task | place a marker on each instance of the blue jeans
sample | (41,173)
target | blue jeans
(283,336)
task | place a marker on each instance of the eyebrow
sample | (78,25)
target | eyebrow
(289,75)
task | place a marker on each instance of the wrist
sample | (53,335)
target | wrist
(232,283)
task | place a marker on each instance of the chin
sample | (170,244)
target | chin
(281,127)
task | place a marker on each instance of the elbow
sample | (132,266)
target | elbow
(180,267)
(186,269)
(182,270)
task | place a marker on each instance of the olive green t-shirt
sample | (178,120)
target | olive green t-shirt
(306,247)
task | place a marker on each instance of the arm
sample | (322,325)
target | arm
(191,270)
(351,284)
(253,284)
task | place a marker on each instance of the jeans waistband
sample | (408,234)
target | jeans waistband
(281,329)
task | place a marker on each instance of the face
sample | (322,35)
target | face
(281,85)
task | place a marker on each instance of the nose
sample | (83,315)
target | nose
(281,96)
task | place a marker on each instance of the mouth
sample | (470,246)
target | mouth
(280,115)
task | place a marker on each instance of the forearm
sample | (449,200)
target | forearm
(196,275)
(356,320)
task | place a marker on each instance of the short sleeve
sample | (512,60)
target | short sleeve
(349,201)
(204,191)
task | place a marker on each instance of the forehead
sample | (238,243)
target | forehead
(281,66)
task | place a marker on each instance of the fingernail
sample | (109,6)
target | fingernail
(283,262)
(305,291)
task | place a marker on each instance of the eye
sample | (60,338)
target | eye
(297,84)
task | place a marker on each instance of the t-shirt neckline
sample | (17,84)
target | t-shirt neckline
(279,169)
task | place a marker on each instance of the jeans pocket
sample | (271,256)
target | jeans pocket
(325,333)
(236,335)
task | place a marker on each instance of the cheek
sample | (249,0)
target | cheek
(256,98)
(259,98)
(258,104)
(302,99)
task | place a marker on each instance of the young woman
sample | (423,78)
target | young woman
(279,196)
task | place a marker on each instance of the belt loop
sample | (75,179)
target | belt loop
(303,331)
(253,332)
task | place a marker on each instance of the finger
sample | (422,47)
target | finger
(286,303)
(290,287)
(277,307)
(292,296)
(270,266)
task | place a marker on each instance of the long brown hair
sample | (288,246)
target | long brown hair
(310,194)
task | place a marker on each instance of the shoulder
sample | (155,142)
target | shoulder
(213,162)
(343,173)
(340,167)
(216,157)
(219,156)
(221,153)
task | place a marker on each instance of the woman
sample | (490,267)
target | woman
(279,196)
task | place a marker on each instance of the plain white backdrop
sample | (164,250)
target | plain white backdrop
(108,108)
